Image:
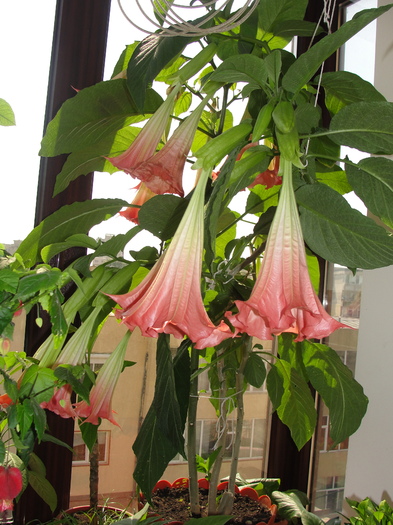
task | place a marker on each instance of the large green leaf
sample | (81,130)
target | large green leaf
(296,408)
(148,59)
(43,488)
(341,393)
(94,114)
(291,507)
(343,88)
(92,159)
(367,126)
(74,218)
(372,181)
(301,71)
(340,234)
(241,68)
(153,446)
(162,214)
(7,117)
(165,399)
(272,14)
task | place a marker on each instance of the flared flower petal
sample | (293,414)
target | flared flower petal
(11,484)
(145,144)
(60,402)
(142,196)
(101,394)
(169,299)
(269,177)
(5,401)
(163,172)
(283,298)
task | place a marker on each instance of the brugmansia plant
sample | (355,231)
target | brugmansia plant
(241,116)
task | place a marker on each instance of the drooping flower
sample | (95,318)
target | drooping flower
(73,353)
(283,298)
(145,144)
(163,172)
(101,394)
(143,195)
(11,484)
(169,299)
(269,177)
(60,403)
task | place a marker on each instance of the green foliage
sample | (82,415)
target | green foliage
(7,117)
(370,513)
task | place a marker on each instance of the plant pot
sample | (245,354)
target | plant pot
(246,505)
(84,514)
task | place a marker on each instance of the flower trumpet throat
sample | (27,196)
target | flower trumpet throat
(283,298)
(169,299)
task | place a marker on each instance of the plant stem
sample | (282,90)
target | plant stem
(191,437)
(221,443)
(246,349)
(94,458)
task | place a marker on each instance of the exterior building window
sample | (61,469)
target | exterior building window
(330,493)
(81,454)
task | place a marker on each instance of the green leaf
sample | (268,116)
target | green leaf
(8,280)
(148,59)
(241,68)
(162,214)
(89,434)
(301,71)
(7,117)
(36,465)
(81,240)
(255,371)
(372,181)
(165,400)
(44,281)
(74,218)
(59,324)
(297,406)
(2,452)
(92,158)
(290,507)
(43,488)
(273,14)
(341,393)
(39,419)
(340,234)
(39,382)
(121,64)
(367,126)
(335,178)
(25,417)
(93,114)
(183,103)
(343,88)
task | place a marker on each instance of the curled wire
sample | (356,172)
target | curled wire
(164,11)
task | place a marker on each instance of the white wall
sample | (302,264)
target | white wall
(370,457)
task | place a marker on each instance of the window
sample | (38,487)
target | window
(330,492)
(253,438)
(81,454)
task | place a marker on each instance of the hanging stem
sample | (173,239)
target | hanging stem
(191,437)
(93,480)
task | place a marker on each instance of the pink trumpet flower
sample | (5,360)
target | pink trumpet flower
(169,299)
(145,144)
(102,392)
(142,196)
(60,402)
(11,483)
(283,298)
(163,172)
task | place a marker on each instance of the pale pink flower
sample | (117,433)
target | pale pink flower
(169,299)
(60,403)
(143,195)
(283,298)
(145,144)
(163,172)
(101,394)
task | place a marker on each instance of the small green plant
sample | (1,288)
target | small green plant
(369,512)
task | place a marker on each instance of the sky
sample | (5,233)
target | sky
(23,83)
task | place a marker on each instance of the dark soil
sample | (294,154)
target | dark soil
(173,504)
